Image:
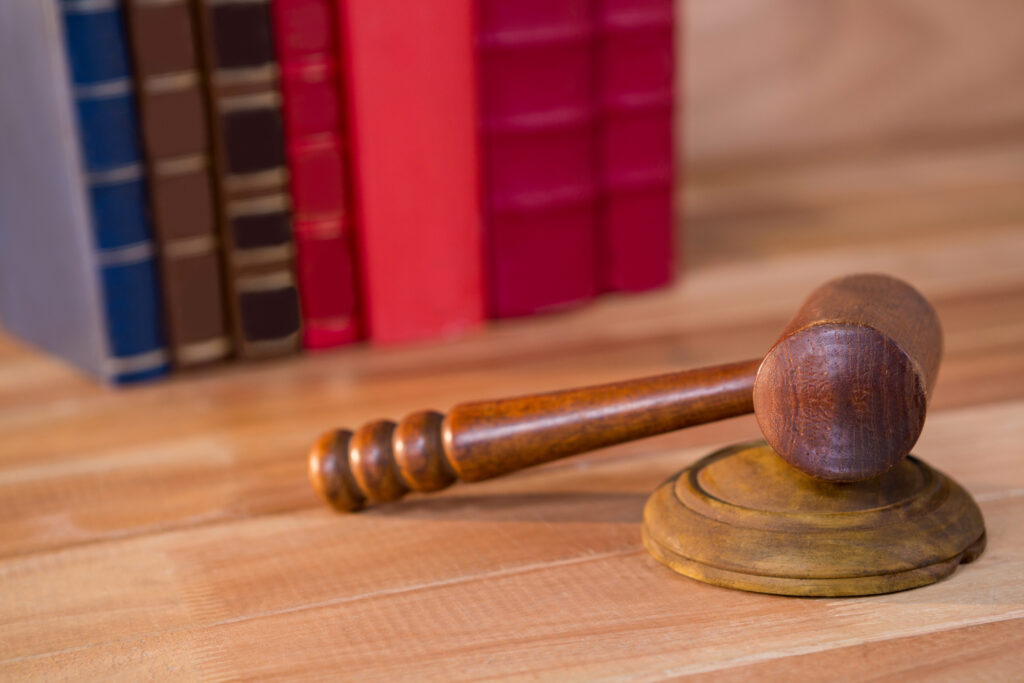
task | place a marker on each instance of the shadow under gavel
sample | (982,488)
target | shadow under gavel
(841,396)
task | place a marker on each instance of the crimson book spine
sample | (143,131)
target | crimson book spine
(538,117)
(635,146)
(316,149)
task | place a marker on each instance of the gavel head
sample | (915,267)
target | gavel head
(842,395)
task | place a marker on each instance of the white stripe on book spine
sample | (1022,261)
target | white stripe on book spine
(187,247)
(113,176)
(125,256)
(170,82)
(190,163)
(255,206)
(117,87)
(260,100)
(261,255)
(266,282)
(123,365)
(240,182)
(202,352)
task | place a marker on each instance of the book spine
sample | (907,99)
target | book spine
(241,78)
(314,141)
(537,122)
(635,143)
(410,93)
(172,110)
(109,137)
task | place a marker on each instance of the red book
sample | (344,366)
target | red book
(537,119)
(635,143)
(307,54)
(411,101)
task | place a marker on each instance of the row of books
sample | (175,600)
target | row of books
(183,181)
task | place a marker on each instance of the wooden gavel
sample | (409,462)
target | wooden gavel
(842,396)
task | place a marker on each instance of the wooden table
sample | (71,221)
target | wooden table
(168,531)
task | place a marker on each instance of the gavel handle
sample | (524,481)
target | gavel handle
(427,451)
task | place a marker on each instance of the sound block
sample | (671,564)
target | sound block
(743,518)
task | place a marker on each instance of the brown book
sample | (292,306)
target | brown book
(240,74)
(173,114)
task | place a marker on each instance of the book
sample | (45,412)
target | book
(77,270)
(410,95)
(537,122)
(172,111)
(314,141)
(254,207)
(635,143)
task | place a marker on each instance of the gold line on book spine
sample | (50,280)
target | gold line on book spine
(174,166)
(281,279)
(170,82)
(257,205)
(264,73)
(118,87)
(261,100)
(203,351)
(258,256)
(126,255)
(240,182)
(272,346)
(120,365)
(187,247)
(122,174)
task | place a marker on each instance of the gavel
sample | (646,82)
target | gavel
(841,396)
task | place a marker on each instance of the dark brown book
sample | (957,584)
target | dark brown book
(177,151)
(241,78)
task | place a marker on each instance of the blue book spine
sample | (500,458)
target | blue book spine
(111,147)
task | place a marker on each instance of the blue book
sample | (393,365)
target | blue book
(77,269)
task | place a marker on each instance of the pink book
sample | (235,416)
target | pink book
(635,143)
(537,120)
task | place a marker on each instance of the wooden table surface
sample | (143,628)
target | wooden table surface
(168,531)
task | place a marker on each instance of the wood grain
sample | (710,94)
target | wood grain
(181,535)
(169,532)
(842,395)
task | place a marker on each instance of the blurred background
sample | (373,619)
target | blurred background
(835,122)
(252,180)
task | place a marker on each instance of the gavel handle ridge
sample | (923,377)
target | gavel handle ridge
(427,451)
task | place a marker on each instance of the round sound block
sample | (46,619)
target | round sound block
(743,518)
